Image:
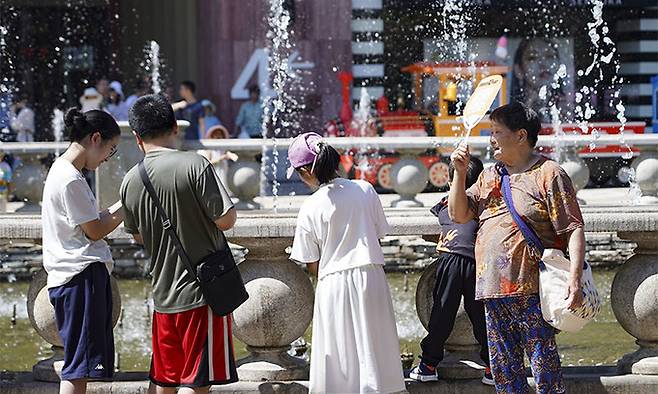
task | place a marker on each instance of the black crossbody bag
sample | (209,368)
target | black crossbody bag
(217,274)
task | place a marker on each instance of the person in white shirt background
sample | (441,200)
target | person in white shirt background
(21,120)
(90,100)
(355,342)
(116,105)
(75,256)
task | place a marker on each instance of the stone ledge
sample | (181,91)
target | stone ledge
(590,380)
(264,224)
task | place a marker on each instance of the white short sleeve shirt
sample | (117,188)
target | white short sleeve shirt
(340,226)
(67,203)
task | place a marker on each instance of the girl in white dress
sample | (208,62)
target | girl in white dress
(355,346)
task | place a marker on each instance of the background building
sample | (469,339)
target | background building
(54,49)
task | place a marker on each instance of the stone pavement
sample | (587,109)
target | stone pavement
(582,380)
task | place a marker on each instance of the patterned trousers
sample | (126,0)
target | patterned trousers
(514,325)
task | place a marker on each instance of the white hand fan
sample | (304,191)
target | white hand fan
(480,102)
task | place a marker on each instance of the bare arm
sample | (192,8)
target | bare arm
(227,221)
(202,127)
(228,156)
(138,238)
(577,257)
(313,268)
(458,208)
(179,105)
(109,220)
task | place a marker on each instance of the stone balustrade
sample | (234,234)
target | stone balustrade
(281,295)
(408,175)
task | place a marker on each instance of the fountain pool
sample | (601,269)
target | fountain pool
(602,342)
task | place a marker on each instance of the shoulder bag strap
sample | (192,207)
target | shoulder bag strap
(166,223)
(528,232)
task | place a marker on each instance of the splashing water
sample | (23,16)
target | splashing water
(276,102)
(154,66)
(556,123)
(456,19)
(362,113)
(57,124)
(596,134)
(603,49)
(362,122)
(634,191)
(7,82)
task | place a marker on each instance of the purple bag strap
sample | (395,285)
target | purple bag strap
(528,232)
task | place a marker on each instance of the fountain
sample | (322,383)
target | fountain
(57,124)
(280,289)
(154,66)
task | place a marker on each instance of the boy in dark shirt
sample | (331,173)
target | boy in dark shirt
(455,277)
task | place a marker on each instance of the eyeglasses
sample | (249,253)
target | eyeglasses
(113,152)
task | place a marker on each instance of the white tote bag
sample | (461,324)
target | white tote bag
(553,287)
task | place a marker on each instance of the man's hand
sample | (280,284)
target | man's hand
(460,158)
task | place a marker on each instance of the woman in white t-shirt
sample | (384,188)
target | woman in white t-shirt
(76,258)
(355,343)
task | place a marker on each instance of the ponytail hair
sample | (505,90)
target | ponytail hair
(326,163)
(79,125)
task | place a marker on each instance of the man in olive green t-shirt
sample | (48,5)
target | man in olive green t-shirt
(192,346)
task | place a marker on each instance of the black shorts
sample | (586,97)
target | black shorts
(83,310)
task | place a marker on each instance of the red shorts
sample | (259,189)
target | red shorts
(192,349)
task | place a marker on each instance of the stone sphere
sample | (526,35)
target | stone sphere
(462,334)
(409,176)
(646,172)
(244,179)
(578,171)
(637,311)
(29,178)
(280,304)
(42,314)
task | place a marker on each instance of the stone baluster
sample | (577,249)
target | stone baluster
(462,360)
(42,316)
(278,311)
(28,181)
(634,299)
(646,174)
(244,181)
(409,177)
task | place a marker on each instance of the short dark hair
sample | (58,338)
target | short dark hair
(190,85)
(79,124)
(517,116)
(473,171)
(152,116)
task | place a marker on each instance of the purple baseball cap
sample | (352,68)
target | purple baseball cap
(302,151)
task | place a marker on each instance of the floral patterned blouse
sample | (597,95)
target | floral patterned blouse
(544,196)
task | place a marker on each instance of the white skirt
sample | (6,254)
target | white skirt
(355,347)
